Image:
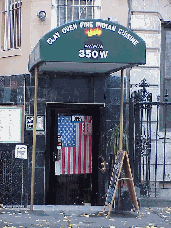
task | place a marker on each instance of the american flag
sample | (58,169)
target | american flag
(76,135)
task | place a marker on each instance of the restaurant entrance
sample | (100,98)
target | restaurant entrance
(73,149)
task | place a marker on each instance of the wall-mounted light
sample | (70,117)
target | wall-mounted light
(113,19)
(42,15)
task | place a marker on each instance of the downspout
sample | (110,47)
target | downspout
(129,106)
(128,69)
(129,13)
(129,26)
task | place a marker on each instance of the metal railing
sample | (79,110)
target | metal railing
(149,141)
(13,174)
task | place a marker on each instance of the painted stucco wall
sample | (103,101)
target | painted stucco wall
(15,62)
(116,9)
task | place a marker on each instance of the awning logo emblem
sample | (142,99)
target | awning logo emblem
(93,32)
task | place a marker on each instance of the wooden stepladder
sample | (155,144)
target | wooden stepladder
(121,160)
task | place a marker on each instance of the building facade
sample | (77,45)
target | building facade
(23,23)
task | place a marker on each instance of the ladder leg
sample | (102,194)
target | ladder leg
(110,208)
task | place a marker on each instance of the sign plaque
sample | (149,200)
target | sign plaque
(40,123)
(11,124)
(21,151)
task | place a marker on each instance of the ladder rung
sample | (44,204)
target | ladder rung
(125,178)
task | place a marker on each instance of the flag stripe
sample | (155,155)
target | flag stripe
(71,160)
(85,151)
(90,151)
(77,145)
(63,160)
(87,155)
(74,160)
(68,167)
(90,157)
(79,149)
(66,159)
(82,151)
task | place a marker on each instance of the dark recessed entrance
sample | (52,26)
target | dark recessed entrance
(73,189)
(72,152)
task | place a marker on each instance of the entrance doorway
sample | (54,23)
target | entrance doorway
(72,151)
(73,189)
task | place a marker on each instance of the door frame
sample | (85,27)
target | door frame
(52,111)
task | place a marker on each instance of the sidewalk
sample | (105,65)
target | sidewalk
(52,216)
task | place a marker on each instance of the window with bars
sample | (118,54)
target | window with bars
(11,25)
(71,10)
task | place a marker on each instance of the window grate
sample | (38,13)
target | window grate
(71,10)
(12,25)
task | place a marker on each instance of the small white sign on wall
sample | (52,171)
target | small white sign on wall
(21,151)
(58,167)
(77,118)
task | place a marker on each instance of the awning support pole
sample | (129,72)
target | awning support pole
(121,111)
(34,140)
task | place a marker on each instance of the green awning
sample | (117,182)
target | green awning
(89,46)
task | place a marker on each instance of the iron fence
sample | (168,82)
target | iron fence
(149,139)
(13,175)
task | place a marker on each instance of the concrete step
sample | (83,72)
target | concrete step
(155,202)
